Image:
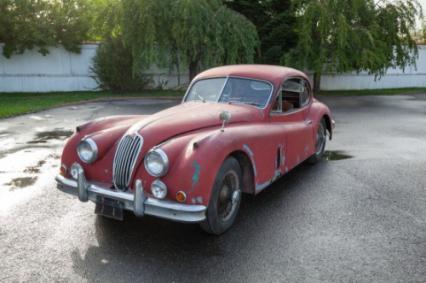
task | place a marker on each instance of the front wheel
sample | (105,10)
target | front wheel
(225,199)
(320,141)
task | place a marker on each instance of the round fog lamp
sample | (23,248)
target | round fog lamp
(159,189)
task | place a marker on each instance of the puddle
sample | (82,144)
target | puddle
(4,133)
(22,182)
(58,134)
(19,148)
(54,156)
(32,170)
(37,118)
(35,169)
(334,155)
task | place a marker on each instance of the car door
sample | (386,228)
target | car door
(291,112)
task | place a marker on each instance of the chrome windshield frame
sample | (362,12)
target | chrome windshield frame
(223,87)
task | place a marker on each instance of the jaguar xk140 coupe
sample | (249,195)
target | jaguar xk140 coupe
(238,129)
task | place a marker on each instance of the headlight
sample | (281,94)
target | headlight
(156,162)
(159,189)
(87,150)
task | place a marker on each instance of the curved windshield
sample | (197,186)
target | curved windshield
(231,90)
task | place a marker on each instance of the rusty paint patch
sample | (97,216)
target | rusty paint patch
(197,200)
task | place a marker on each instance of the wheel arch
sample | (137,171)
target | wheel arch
(328,123)
(247,169)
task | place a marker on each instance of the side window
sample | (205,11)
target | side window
(292,91)
(305,95)
(294,94)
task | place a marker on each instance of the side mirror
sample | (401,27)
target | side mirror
(224,116)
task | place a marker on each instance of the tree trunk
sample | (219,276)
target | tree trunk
(317,82)
(192,70)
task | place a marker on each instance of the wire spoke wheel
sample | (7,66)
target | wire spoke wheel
(228,196)
(225,198)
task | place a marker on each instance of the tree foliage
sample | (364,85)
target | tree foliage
(274,20)
(112,65)
(28,24)
(187,33)
(424,33)
(360,35)
(106,19)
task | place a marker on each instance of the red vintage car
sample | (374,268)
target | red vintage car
(238,129)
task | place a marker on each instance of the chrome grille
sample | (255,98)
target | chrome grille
(124,160)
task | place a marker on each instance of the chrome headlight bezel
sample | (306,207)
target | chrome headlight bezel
(164,160)
(93,149)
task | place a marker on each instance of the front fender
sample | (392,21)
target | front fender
(196,158)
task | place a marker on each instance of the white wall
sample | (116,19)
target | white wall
(57,71)
(64,71)
(394,78)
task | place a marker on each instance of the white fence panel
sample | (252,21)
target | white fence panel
(64,71)
(394,78)
(59,70)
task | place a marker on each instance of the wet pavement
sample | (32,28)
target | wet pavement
(359,215)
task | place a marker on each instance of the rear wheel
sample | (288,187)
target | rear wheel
(320,142)
(225,199)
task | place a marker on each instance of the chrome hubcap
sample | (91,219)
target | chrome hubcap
(229,196)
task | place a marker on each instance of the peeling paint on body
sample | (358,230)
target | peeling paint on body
(196,175)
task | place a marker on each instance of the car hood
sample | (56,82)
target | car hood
(189,117)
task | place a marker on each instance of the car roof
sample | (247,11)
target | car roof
(274,74)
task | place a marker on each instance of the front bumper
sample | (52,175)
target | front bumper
(136,201)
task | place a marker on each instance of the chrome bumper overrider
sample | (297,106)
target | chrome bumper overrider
(136,201)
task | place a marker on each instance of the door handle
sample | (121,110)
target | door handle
(308,122)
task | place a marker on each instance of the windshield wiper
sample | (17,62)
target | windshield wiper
(244,102)
(201,98)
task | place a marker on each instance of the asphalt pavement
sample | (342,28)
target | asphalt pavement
(358,216)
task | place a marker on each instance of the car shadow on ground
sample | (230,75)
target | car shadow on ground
(146,246)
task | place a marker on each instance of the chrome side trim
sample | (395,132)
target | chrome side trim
(136,201)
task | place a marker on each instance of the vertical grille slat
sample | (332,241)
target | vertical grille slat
(125,158)
(120,157)
(128,162)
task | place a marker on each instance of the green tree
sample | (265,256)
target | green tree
(354,35)
(28,24)
(106,17)
(424,33)
(189,33)
(275,21)
(112,65)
